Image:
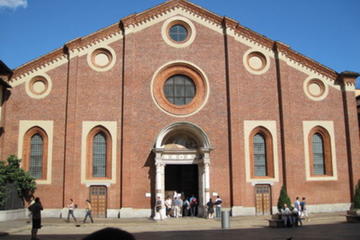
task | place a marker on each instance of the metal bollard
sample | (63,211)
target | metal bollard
(225,219)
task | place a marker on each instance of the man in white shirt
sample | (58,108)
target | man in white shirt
(218,202)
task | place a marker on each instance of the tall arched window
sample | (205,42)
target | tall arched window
(36,156)
(261,153)
(320,152)
(35,152)
(99,153)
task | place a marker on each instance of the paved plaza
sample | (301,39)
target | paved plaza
(321,226)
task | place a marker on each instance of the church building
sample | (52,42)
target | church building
(177,98)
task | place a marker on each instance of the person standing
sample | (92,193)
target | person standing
(35,210)
(71,208)
(193,206)
(297,206)
(210,208)
(88,211)
(31,202)
(218,202)
(176,207)
(304,213)
(168,203)
(158,207)
(186,207)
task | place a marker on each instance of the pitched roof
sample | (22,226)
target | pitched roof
(147,15)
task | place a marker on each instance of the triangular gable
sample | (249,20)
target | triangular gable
(137,22)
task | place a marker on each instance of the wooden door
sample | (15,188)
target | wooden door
(263,199)
(98,196)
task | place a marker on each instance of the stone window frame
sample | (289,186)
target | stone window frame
(27,150)
(180,68)
(328,126)
(181,21)
(89,156)
(269,152)
(327,154)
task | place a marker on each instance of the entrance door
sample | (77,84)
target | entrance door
(263,199)
(183,179)
(98,196)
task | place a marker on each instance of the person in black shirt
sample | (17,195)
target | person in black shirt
(35,210)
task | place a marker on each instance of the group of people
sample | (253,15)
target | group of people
(71,207)
(183,207)
(292,216)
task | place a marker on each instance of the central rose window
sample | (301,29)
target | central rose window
(179,90)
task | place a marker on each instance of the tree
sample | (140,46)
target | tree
(357,196)
(12,173)
(283,198)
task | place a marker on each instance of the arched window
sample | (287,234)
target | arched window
(36,156)
(320,152)
(35,152)
(99,153)
(261,153)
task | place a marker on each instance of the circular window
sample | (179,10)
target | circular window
(256,62)
(38,86)
(101,59)
(178,32)
(179,90)
(315,89)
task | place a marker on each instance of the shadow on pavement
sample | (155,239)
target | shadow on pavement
(325,231)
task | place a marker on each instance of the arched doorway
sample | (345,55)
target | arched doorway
(182,159)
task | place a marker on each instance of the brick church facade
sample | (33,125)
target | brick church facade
(177,98)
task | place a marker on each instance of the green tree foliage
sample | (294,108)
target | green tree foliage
(283,198)
(357,196)
(12,173)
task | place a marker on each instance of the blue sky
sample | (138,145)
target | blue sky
(326,31)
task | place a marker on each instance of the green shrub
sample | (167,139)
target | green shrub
(12,173)
(283,198)
(357,196)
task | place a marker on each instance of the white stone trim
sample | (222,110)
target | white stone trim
(243,211)
(267,59)
(330,207)
(319,98)
(135,212)
(47,126)
(165,35)
(198,69)
(87,126)
(7,215)
(249,126)
(39,96)
(329,126)
(91,51)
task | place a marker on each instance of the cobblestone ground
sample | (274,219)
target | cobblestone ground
(321,226)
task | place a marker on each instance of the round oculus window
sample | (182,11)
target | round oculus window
(179,89)
(178,33)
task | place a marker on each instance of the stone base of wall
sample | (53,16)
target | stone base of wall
(6,215)
(318,208)
(135,213)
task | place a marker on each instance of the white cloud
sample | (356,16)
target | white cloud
(13,3)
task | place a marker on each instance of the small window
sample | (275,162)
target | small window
(99,155)
(36,156)
(178,33)
(179,90)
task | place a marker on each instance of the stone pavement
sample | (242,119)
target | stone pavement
(322,226)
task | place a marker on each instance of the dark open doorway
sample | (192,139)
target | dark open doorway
(183,179)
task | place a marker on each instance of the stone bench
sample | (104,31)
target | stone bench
(279,223)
